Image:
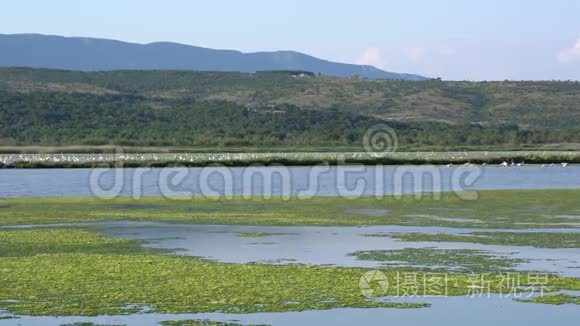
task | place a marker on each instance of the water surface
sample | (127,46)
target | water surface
(319,181)
(476,311)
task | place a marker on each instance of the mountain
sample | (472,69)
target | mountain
(545,105)
(228,110)
(91,54)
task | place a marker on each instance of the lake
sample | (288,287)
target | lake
(279,181)
(315,245)
(477,311)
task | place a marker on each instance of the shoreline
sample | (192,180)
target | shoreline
(159,160)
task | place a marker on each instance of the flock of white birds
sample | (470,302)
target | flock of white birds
(451,157)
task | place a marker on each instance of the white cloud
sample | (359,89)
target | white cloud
(372,57)
(570,54)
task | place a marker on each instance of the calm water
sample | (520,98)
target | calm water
(322,245)
(477,311)
(321,181)
(316,245)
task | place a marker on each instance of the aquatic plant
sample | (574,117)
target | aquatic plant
(555,299)
(534,239)
(455,260)
(509,209)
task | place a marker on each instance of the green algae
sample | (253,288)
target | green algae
(457,260)
(493,209)
(534,239)
(555,299)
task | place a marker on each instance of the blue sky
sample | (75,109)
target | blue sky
(452,39)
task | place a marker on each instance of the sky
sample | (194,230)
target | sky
(451,39)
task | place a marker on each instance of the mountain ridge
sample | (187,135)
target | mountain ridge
(99,54)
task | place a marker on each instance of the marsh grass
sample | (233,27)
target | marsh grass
(534,239)
(109,276)
(556,299)
(456,260)
(507,209)
(90,282)
(69,271)
(27,242)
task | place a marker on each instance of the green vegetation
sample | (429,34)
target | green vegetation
(73,119)
(461,260)
(23,242)
(534,239)
(73,271)
(241,110)
(457,102)
(131,160)
(493,209)
(556,299)
(90,283)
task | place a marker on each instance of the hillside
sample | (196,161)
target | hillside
(90,54)
(526,104)
(274,109)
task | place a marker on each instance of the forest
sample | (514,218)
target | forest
(273,109)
